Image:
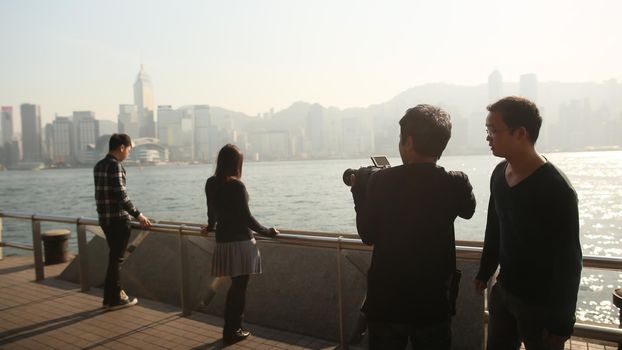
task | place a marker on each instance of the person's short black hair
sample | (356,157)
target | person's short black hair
(429,127)
(117,140)
(229,162)
(519,112)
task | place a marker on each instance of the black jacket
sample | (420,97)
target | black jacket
(407,214)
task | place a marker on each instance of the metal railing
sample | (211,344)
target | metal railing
(465,250)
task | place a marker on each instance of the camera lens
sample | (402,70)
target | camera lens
(346,176)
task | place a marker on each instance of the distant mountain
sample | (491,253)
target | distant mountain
(468,102)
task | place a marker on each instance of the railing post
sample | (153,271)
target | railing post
(342,339)
(83,257)
(38,251)
(183,267)
(1,247)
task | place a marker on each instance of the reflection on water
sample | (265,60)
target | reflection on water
(310,195)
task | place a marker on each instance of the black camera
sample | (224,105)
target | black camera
(363,173)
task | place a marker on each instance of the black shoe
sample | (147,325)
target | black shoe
(236,336)
(123,304)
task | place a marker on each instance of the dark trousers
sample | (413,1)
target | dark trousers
(117,236)
(234,306)
(513,321)
(391,336)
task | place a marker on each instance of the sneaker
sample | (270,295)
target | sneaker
(122,296)
(236,336)
(123,304)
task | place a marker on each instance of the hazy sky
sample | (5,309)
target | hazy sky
(250,56)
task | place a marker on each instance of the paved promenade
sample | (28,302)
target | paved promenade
(54,314)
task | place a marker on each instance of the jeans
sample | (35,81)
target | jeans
(117,237)
(513,321)
(396,336)
(234,306)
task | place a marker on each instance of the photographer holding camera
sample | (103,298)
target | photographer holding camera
(407,213)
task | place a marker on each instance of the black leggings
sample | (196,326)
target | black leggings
(234,307)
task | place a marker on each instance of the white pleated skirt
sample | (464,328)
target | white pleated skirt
(236,258)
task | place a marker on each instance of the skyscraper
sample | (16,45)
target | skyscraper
(31,132)
(6,124)
(143,99)
(128,120)
(62,140)
(495,86)
(169,126)
(202,127)
(86,134)
(529,87)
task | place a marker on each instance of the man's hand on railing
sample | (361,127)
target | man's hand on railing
(144,221)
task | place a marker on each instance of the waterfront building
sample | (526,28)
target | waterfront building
(86,133)
(358,136)
(31,132)
(529,87)
(202,126)
(315,129)
(107,127)
(495,86)
(269,144)
(169,125)
(6,124)
(128,120)
(148,150)
(143,99)
(61,141)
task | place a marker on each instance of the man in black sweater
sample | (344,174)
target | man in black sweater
(532,233)
(407,213)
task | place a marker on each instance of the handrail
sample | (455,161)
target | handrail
(465,250)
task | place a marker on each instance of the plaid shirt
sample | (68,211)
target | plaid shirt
(113,203)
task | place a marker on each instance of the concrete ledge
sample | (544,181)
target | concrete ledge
(297,291)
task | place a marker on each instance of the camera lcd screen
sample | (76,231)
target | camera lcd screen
(380,161)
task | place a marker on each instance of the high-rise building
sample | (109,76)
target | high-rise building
(143,99)
(169,126)
(128,120)
(495,86)
(62,140)
(86,133)
(202,126)
(107,127)
(31,133)
(316,129)
(529,87)
(6,124)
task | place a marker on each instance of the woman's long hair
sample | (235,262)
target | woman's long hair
(229,162)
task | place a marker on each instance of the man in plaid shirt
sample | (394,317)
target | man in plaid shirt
(114,209)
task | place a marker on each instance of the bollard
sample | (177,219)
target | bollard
(55,246)
(617,301)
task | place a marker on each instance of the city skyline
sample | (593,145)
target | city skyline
(252,57)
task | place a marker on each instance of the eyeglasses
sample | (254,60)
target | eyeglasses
(492,132)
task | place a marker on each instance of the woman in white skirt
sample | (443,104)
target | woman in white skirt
(236,253)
